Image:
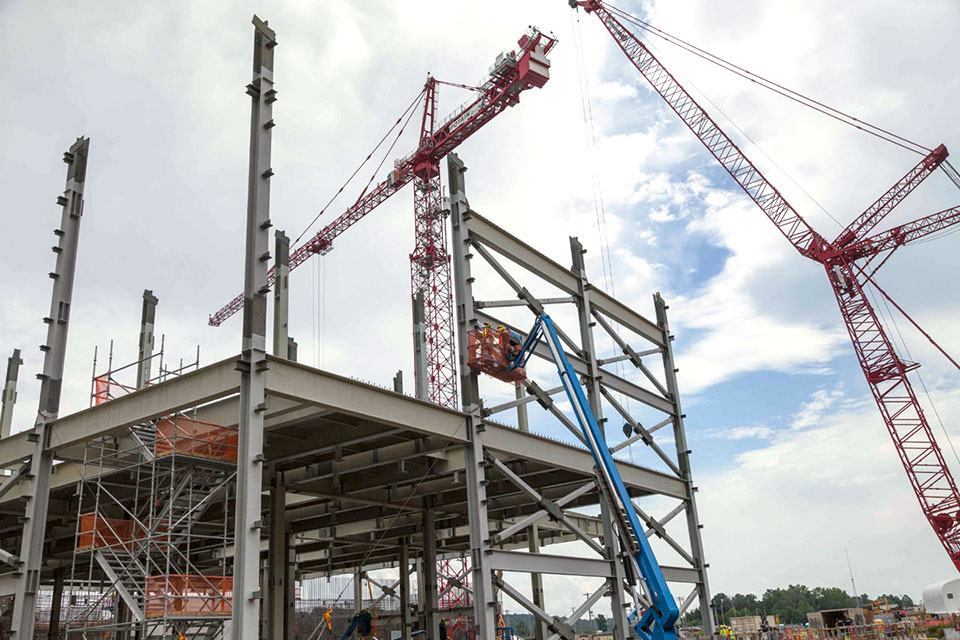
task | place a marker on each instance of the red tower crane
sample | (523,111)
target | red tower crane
(849,264)
(511,74)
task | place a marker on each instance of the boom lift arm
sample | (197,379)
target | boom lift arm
(510,358)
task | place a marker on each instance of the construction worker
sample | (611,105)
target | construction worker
(443,629)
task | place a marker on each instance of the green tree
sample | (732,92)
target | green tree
(601,622)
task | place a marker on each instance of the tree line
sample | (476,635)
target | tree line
(790,605)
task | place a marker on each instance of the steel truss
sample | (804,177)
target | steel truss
(473,236)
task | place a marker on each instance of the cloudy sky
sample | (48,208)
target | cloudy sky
(791,457)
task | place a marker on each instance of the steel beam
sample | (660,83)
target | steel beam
(253,360)
(483,596)
(277,560)
(683,461)
(51,381)
(281,296)
(584,298)
(532,260)
(148,318)
(420,373)
(431,598)
(9,397)
(405,589)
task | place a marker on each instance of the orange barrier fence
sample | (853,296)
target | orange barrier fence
(188,596)
(97,532)
(105,389)
(194,438)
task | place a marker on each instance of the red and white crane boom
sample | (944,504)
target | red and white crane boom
(845,261)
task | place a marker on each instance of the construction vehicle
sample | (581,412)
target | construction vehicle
(503,354)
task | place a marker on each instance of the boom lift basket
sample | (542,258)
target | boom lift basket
(489,351)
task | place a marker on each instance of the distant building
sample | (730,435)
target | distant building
(831,618)
(746,626)
(942,597)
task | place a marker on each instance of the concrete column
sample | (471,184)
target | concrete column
(9,397)
(405,589)
(618,603)
(245,620)
(51,380)
(277,561)
(420,348)
(281,295)
(53,633)
(484,599)
(148,318)
(683,462)
(430,595)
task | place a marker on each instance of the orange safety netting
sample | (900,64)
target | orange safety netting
(489,350)
(188,596)
(97,532)
(105,389)
(194,438)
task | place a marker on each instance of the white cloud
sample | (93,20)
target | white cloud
(740,433)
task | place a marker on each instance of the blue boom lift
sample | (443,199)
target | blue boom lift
(504,355)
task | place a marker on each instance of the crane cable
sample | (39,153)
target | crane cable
(599,208)
(786,92)
(409,110)
(796,183)
(906,349)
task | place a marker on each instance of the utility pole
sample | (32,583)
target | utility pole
(51,382)
(253,359)
(9,398)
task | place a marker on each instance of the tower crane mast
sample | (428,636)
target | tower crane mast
(846,260)
(511,74)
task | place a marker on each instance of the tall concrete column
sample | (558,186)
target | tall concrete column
(277,560)
(404,589)
(281,296)
(484,600)
(148,317)
(253,363)
(51,382)
(9,397)
(683,462)
(618,603)
(430,595)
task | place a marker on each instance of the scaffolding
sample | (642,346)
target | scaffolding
(152,535)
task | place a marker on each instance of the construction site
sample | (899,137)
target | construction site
(257,496)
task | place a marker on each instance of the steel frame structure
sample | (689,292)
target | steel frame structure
(474,236)
(848,261)
(361,477)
